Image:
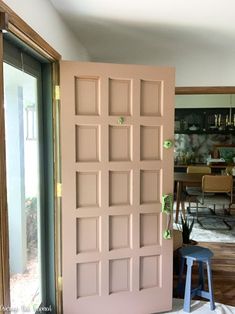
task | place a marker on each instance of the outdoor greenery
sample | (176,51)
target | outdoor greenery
(31,223)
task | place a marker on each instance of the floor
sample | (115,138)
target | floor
(223,271)
(201,307)
(25,287)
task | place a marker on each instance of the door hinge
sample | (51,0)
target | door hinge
(60,283)
(59,190)
(57,92)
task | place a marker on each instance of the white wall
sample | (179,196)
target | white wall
(198,66)
(43,18)
(195,66)
(208,64)
(205,101)
(205,68)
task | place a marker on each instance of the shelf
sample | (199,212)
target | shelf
(205,132)
(211,166)
(203,120)
(215,169)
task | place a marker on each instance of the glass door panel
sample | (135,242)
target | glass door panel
(23,187)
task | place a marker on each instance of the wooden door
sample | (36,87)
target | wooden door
(114,119)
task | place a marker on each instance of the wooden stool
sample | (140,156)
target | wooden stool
(200,255)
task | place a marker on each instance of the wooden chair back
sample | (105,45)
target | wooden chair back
(217,184)
(199,169)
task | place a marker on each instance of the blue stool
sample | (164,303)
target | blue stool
(200,255)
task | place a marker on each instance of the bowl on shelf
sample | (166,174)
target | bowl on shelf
(193,128)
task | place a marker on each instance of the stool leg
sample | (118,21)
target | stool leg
(201,276)
(210,285)
(187,293)
(180,280)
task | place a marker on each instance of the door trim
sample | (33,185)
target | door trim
(25,33)
(193,90)
(17,27)
(4,241)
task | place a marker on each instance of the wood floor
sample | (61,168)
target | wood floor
(223,271)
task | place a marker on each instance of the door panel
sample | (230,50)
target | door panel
(114,119)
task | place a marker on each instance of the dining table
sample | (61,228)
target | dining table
(183,179)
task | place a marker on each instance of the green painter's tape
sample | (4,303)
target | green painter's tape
(167,234)
(167,144)
(120,120)
(167,203)
(167,207)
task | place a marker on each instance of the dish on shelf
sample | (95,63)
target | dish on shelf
(193,128)
(217,161)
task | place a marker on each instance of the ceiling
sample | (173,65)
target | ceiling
(137,31)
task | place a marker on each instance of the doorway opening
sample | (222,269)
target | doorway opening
(204,119)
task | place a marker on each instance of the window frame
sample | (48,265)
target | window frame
(16,58)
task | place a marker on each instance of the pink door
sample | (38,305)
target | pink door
(114,119)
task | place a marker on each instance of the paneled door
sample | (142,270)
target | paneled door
(114,120)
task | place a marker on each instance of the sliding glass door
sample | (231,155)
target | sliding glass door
(23,186)
(26,165)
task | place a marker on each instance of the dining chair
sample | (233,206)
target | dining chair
(216,190)
(194,191)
